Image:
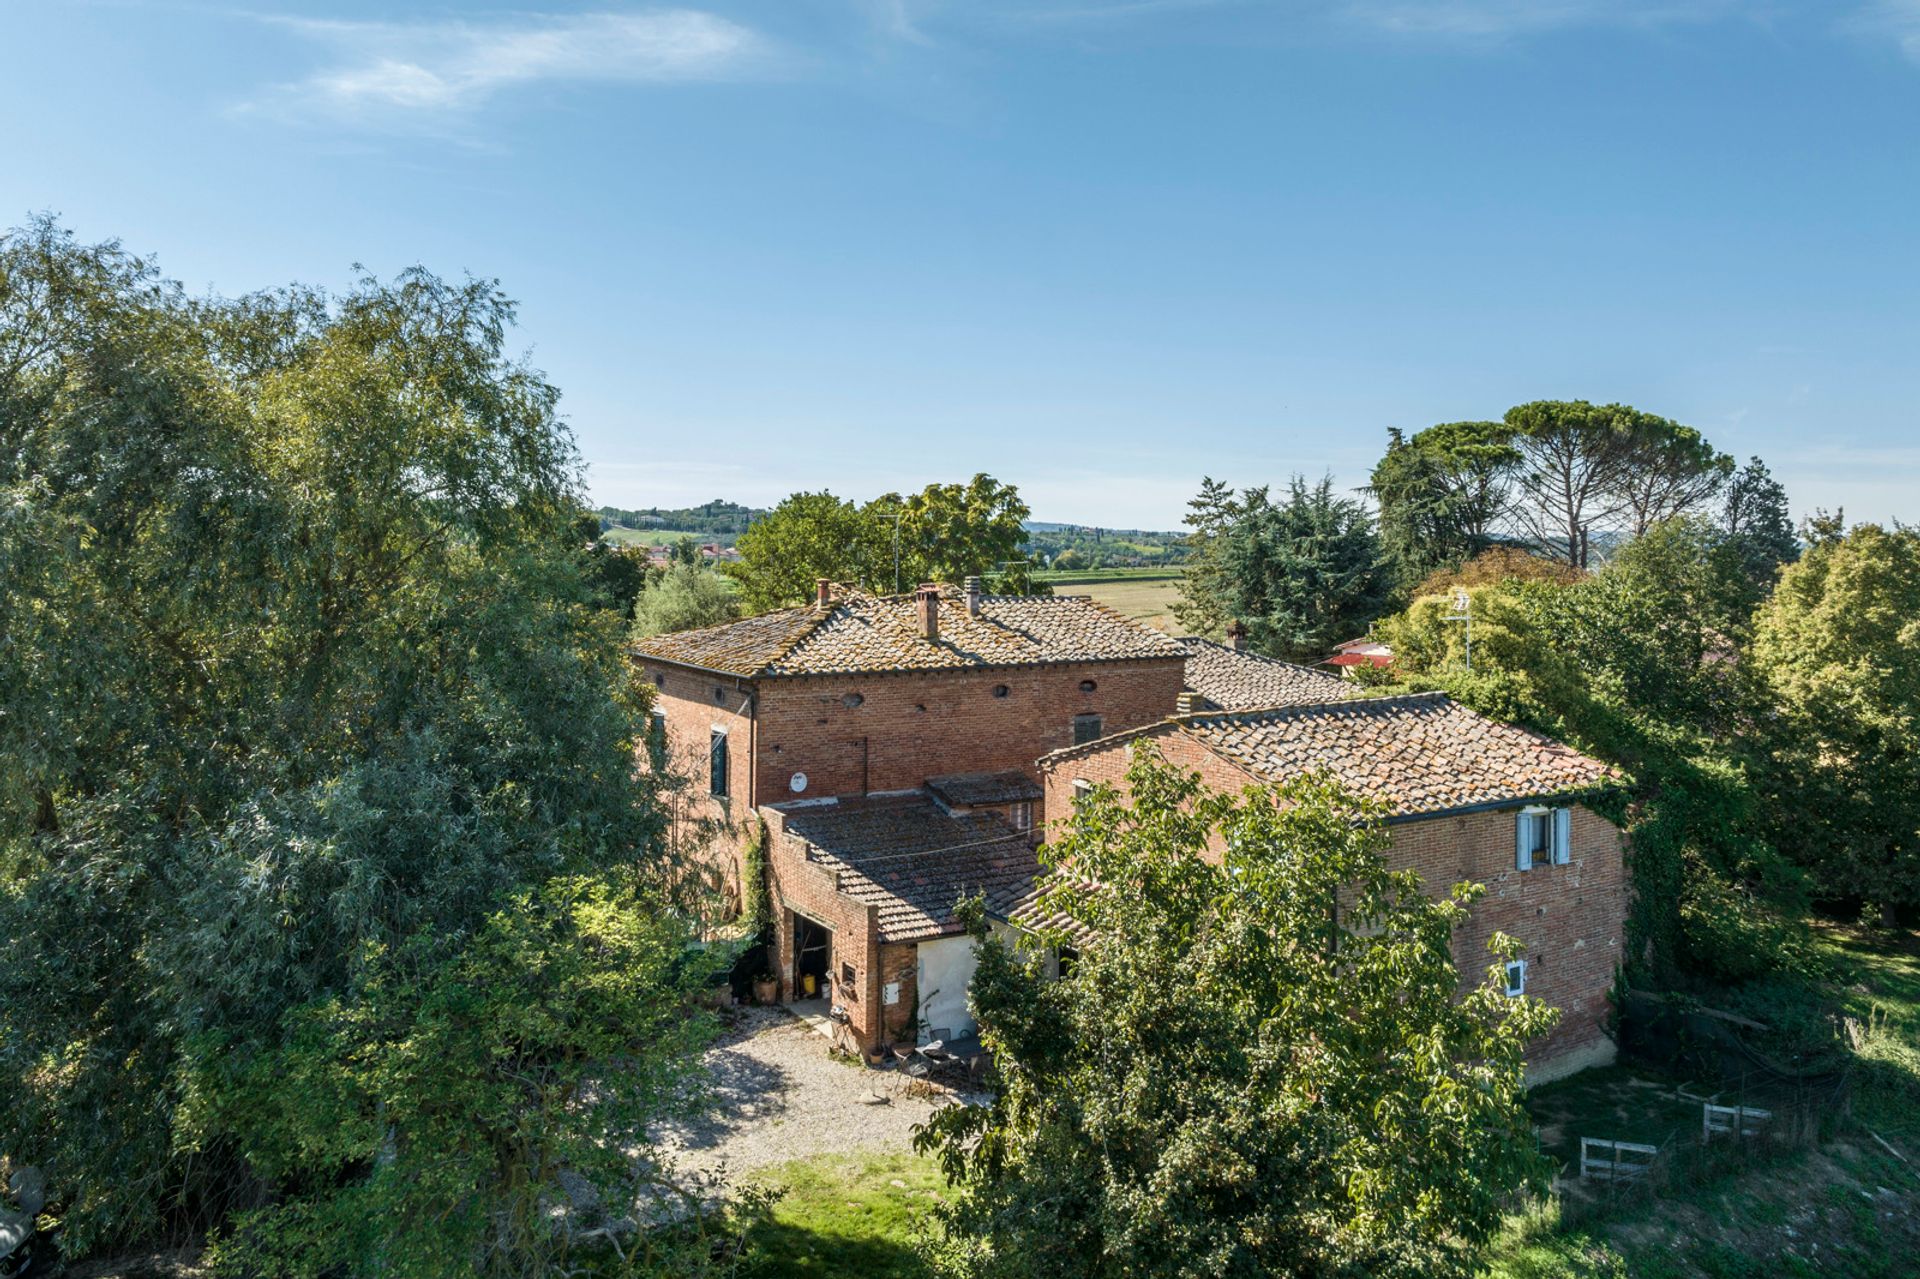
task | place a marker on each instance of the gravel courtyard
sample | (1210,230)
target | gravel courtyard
(779,1096)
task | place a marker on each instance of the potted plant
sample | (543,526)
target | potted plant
(765,989)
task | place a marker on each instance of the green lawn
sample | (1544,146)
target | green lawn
(1847,1208)
(847,1217)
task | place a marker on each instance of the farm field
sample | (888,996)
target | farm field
(624,536)
(1145,595)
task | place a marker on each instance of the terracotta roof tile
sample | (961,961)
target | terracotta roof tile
(861,632)
(913,860)
(1029,909)
(965,790)
(1235,681)
(1421,753)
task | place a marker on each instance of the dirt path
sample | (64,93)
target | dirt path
(780,1097)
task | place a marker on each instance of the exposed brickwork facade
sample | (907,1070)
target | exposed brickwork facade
(1571,917)
(793,736)
(874,733)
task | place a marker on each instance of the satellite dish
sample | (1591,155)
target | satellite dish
(797,783)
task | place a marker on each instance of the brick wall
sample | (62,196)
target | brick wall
(806,888)
(852,735)
(1108,764)
(1570,917)
(708,831)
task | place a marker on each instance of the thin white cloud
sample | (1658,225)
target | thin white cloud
(383,69)
(1895,20)
(1500,19)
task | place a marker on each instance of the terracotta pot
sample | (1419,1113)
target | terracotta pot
(766,990)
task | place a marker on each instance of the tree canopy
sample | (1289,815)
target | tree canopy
(1839,648)
(314,714)
(1301,574)
(682,597)
(944,533)
(1261,1061)
(1442,495)
(1608,468)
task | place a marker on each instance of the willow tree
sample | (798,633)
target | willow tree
(313,718)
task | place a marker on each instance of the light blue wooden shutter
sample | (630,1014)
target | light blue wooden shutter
(1522,846)
(1562,836)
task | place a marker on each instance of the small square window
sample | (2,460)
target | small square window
(1086,728)
(1516,978)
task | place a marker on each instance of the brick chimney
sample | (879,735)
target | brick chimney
(1237,636)
(973,592)
(822,593)
(926,605)
(1188,703)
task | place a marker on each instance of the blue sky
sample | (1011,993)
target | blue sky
(1096,247)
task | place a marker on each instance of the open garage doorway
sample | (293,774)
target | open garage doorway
(812,960)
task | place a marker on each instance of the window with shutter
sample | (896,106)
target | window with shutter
(1532,838)
(1086,728)
(1562,836)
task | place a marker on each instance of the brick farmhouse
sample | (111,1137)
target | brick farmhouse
(904,753)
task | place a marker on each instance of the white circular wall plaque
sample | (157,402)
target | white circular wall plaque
(797,783)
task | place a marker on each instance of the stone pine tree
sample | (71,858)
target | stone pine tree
(1588,469)
(1261,1062)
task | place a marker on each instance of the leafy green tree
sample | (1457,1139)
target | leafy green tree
(949,532)
(807,537)
(944,533)
(1675,472)
(304,666)
(618,571)
(1589,468)
(471,1075)
(1304,573)
(1442,495)
(682,598)
(1758,526)
(1640,664)
(1839,647)
(1261,1063)
(1204,583)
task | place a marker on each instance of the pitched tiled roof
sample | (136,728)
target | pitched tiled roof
(910,858)
(1029,909)
(861,632)
(964,790)
(1421,753)
(1235,681)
